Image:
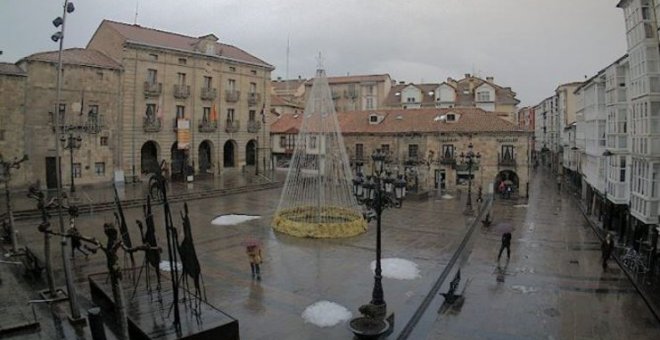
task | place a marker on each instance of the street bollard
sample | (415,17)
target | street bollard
(96,323)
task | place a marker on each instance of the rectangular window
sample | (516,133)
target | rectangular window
(410,99)
(312,142)
(182,61)
(180,111)
(359,151)
(152,76)
(253,87)
(206,115)
(231,85)
(232,69)
(77,170)
(448,151)
(254,72)
(252,115)
(93,115)
(230,115)
(208,82)
(370,103)
(385,148)
(283,141)
(153,56)
(370,89)
(413,151)
(99,168)
(483,96)
(507,152)
(103,140)
(181,78)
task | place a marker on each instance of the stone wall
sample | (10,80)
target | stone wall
(12,137)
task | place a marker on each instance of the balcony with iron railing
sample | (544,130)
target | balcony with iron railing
(447,160)
(206,125)
(335,95)
(232,126)
(351,94)
(151,124)
(232,96)
(152,89)
(253,126)
(181,91)
(208,93)
(253,98)
(506,161)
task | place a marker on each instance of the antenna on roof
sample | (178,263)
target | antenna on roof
(286,77)
(137,2)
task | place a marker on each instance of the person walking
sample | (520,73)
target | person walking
(559,183)
(506,244)
(254,254)
(606,249)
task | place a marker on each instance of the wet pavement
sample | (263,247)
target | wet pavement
(552,288)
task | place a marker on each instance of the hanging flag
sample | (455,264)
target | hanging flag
(214,113)
(159,110)
(82,102)
(263,114)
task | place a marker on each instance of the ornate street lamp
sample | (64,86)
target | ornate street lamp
(469,159)
(70,143)
(377,192)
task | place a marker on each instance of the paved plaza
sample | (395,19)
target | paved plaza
(552,288)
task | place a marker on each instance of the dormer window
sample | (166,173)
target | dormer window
(483,96)
(375,118)
(451,117)
(410,99)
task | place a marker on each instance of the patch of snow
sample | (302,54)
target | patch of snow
(524,289)
(165,266)
(521,205)
(233,219)
(326,314)
(399,269)
(447,197)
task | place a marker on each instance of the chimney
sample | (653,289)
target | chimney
(490,79)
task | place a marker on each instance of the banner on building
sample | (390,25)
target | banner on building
(183,134)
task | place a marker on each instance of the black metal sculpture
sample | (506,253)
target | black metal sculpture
(152,257)
(189,258)
(123,228)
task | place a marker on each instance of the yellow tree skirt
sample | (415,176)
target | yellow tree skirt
(338,222)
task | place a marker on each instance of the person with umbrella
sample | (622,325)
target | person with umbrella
(506,229)
(254,255)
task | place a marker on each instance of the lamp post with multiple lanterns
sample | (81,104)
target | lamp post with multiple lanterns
(71,142)
(377,192)
(470,159)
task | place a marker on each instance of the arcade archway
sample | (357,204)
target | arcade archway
(149,157)
(251,152)
(205,157)
(229,154)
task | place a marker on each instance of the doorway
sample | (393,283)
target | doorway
(251,152)
(229,154)
(51,172)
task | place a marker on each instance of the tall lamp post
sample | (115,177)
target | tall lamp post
(5,175)
(377,192)
(59,124)
(71,142)
(470,159)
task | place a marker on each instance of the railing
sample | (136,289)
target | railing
(232,96)
(350,94)
(253,98)
(253,126)
(181,91)
(151,124)
(207,125)
(447,160)
(505,161)
(152,89)
(232,126)
(208,93)
(335,95)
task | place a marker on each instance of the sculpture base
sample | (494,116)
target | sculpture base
(150,315)
(335,222)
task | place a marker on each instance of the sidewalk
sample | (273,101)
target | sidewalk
(648,285)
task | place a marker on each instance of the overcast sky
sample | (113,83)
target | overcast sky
(529,45)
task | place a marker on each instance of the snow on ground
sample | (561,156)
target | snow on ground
(165,266)
(233,219)
(400,269)
(447,197)
(521,206)
(326,314)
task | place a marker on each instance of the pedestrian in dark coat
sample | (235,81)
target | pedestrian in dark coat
(254,255)
(606,249)
(506,244)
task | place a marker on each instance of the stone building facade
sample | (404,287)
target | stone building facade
(192,101)
(426,144)
(12,120)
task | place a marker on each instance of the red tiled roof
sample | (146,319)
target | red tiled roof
(409,121)
(279,101)
(393,99)
(154,37)
(354,79)
(11,69)
(77,56)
